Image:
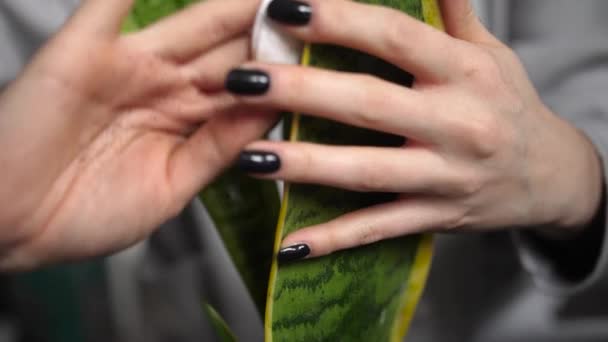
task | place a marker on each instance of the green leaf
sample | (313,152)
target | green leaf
(363,294)
(146,12)
(222,330)
(245,212)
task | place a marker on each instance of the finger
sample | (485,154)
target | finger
(194,30)
(381,31)
(102,17)
(355,99)
(367,169)
(212,148)
(208,72)
(380,222)
(462,22)
(192,107)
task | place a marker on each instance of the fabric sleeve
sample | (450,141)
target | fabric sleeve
(24,27)
(564,46)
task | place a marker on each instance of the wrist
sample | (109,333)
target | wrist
(564,179)
(573,186)
(573,255)
(588,203)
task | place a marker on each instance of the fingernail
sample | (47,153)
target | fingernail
(290,12)
(259,162)
(293,253)
(247,82)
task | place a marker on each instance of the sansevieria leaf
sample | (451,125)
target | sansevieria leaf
(362,294)
(245,211)
(222,331)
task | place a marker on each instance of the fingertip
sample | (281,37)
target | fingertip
(259,161)
(294,252)
(248,81)
(306,243)
(290,12)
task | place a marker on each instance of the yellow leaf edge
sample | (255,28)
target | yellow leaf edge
(424,255)
(293,136)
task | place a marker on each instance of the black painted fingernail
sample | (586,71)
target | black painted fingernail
(247,82)
(259,162)
(293,253)
(290,12)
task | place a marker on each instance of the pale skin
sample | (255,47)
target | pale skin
(103,137)
(484,152)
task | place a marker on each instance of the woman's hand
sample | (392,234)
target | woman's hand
(484,152)
(103,137)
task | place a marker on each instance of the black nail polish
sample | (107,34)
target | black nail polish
(291,12)
(247,82)
(293,253)
(259,162)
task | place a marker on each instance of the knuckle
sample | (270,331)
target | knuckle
(372,179)
(457,220)
(396,32)
(330,242)
(454,223)
(368,234)
(483,67)
(292,85)
(468,185)
(216,151)
(221,27)
(368,102)
(482,135)
(304,164)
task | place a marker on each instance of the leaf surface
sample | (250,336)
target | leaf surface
(363,294)
(222,331)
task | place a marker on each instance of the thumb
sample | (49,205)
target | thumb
(462,22)
(103,17)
